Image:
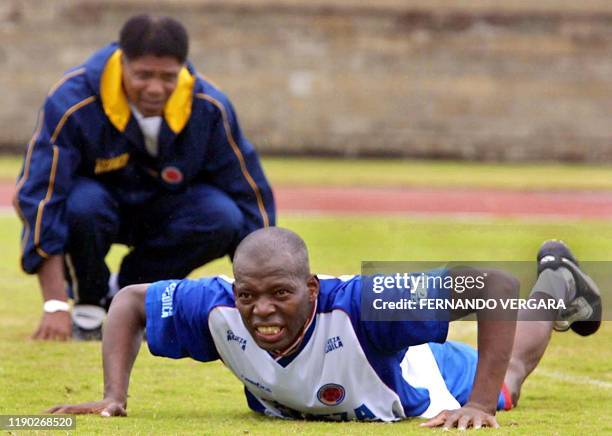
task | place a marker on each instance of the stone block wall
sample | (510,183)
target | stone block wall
(415,78)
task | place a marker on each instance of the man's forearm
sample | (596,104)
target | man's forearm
(121,341)
(495,340)
(51,278)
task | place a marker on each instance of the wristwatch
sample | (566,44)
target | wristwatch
(52,306)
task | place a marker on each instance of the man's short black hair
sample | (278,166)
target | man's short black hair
(144,35)
(273,243)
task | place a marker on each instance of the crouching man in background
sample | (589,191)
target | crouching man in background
(133,147)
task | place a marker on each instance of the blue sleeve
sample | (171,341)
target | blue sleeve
(392,336)
(234,167)
(177,318)
(396,330)
(46,178)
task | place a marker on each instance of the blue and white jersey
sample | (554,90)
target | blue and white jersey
(344,369)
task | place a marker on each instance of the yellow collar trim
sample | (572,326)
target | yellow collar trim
(178,106)
(114,100)
(115,103)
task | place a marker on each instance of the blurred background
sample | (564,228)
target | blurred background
(475,80)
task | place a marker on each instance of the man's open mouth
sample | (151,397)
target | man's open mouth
(270,333)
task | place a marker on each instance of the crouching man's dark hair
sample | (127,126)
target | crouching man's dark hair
(144,35)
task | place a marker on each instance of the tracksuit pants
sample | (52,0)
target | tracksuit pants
(168,236)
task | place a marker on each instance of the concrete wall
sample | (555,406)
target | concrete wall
(348,77)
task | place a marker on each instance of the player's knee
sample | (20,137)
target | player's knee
(87,201)
(207,211)
(224,220)
(231,221)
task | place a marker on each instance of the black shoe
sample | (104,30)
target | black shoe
(81,334)
(583,314)
(87,322)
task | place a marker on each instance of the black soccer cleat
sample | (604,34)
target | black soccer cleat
(87,322)
(583,314)
(81,334)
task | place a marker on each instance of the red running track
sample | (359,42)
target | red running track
(575,204)
(571,204)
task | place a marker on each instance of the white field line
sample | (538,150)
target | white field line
(466,329)
(576,379)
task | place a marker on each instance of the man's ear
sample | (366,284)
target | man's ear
(313,288)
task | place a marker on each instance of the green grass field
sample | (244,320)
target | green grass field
(438,174)
(569,393)
(417,173)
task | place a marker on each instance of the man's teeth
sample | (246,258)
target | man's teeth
(272,330)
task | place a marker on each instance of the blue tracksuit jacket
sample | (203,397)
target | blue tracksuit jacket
(86,129)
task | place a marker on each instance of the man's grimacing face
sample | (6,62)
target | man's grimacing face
(274,302)
(149,81)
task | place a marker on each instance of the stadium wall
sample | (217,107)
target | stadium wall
(415,78)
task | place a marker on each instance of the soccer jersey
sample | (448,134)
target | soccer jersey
(344,369)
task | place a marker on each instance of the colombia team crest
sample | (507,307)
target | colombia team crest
(331,394)
(172,175)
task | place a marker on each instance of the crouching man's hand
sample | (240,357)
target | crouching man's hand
(106,407)
(56,326)
(468,416)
